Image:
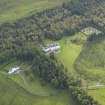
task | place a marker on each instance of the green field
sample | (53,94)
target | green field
(28,89)
(68,54)
(99,95)
(91,63)
(15,9)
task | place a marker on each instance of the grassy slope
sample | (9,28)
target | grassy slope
(25,89)
(11,93)
(99,95)
(14,9)
(91,65)
(69,52)
(91,61)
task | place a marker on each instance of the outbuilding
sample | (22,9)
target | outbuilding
(14,70)
(52,48)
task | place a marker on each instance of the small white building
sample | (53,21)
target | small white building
(14,70)
(52,48)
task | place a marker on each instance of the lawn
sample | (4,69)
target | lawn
(28,89)
(15,9)
(69,52)
(91,62)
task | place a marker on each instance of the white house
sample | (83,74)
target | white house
(52,48)
(14,70)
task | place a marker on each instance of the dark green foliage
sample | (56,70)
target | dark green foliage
(95,37)
(81,96)
(80,7)
(53,24)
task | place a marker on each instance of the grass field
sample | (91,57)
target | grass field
(15,9)
(28,89)
(91,63)
(68,54)
(13,94)
(99,95)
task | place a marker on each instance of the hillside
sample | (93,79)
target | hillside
(15,9)
(91,62)
(12,93)
(28,26)
(27,87)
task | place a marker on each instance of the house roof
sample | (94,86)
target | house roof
(51,48)
(13,70)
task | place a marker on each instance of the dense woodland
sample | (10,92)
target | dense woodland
(54,23)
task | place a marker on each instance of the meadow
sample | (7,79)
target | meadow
(90,64)
(68,53)
(11,10)
(28,89)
